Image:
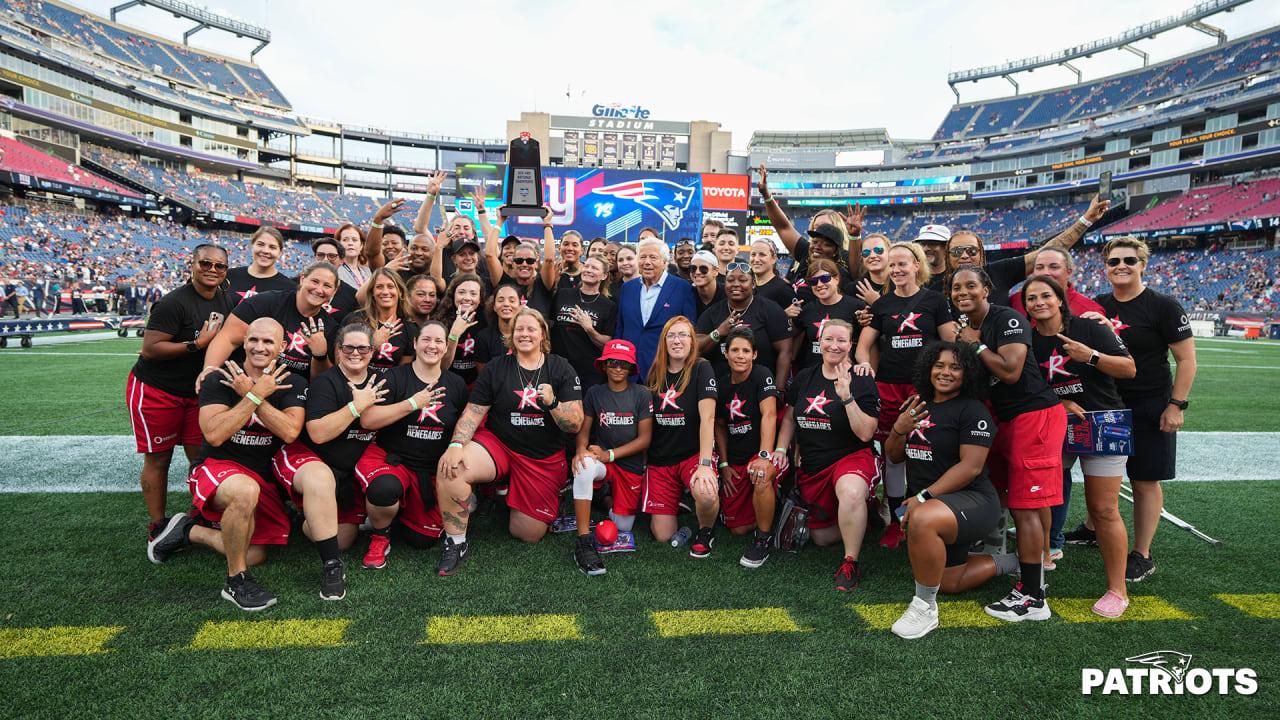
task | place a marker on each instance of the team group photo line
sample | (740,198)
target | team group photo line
(412,378)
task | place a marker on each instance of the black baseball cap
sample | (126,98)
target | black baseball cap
(827,232)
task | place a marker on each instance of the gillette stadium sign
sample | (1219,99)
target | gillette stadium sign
(616,110)
(616,116)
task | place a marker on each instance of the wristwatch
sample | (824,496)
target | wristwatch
(714,335)
(192,346)
(924,496)
(1095,358)
(764,455)
(1180,404)
(707,462)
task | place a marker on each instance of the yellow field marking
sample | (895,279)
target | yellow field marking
(462,629)
(37,642)
(676,623)
(955,613)
(242,635)
(1263,605)
(1141,607)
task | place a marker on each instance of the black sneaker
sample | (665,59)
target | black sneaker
(585,555)
(1138,568)
(1081,536)
(333,586)
(848,576)
(702,543)
(170,539)
(452,557)
(758,551)
(246,593)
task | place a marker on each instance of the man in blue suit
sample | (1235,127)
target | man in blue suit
(646,303)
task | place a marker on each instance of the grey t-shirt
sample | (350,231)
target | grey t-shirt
(616,419)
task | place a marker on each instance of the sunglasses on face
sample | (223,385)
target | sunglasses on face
(823,278)
(744,267)
(699,269)
(614,364)
(356,349)
(879,250)
(962,251)
(523,261)
(211,265)
(327,256)
(1128,260)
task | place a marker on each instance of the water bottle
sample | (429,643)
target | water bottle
(681,537)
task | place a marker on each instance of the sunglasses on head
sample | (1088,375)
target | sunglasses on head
(699,269)
(879,250)
(523,261)
(744,267)
(1127,260)
(967,250)
(356,349)
(820,279)
(212,265)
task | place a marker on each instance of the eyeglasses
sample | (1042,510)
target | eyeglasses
(744,267)
(523,261)
(879,250)
(327,256)
(967,250)
(1127,260)
(211,265)
(679,336)
(823,278)
(699,269)
(612,364)
(356,349)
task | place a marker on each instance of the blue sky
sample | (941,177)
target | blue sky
(464,68)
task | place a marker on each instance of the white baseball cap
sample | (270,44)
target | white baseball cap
(933,233)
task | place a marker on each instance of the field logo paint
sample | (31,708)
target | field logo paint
(1167,672)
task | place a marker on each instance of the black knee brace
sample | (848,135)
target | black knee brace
(384,491)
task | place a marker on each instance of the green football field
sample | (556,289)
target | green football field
(91,629)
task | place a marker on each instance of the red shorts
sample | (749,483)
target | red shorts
(535,484)
(664,484)
(738,509)
(1026,458)
(626,488)
(291,458)
(413,511)
(160,420)
(819,490)
(270,521)
(892,395)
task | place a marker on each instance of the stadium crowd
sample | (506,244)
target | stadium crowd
(404,391)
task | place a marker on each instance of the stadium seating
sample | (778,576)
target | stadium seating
(23,158)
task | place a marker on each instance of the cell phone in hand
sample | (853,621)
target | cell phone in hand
(1104,186)
(900,511)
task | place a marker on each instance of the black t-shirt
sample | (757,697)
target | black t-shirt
(422,436)
(469,352)
(1006,326)
(700,307)
(676,419)
(934,449)
(777,290)
(244,286)
(490,344)
(765,319)
(180,314)
(569,340)
(534,295)
(253,445)
(390,353)
(330,392)
(904,333)
(1148,324)
(1081,382)
(567,281)
(283,307)
(813,318)
(739,409)
(516,415)
(1004,275)
(342,304)
(616,419)
(823,433)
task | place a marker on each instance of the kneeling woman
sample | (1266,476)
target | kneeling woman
(746,424)
(832,416)
(529,398)
(397,473)
(943,434)
(616,429)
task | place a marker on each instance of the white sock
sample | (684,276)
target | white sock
(624,522)
(458,539)
(895,479)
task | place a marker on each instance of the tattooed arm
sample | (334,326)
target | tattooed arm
(470,421)
(567,415)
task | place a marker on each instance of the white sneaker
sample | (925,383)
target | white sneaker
(919,620)
(1017,606)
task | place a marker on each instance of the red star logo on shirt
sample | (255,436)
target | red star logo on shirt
(1056,365)
(329,308)
(528,398)
(468,346)
(822,324)
(669,399)
(248,293)
(253,420)
(735,408)
(909,322)
(429,412)
(524,301)
(297,342)
(386,350)
(919,431)
(816,404)
(1118,324)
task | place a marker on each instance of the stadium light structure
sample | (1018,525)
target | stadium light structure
(206,19)
(1191,18)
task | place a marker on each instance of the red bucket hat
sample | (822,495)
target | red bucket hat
(617,350)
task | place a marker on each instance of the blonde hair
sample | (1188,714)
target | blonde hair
(922,273)
(545,345)
(1127,241)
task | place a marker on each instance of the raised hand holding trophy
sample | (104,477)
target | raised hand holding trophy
(524,178)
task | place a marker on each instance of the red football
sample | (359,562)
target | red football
(606,532)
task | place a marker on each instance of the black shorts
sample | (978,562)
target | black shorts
(1155,453)
(977,513)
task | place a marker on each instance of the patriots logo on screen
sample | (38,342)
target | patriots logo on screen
(668,199)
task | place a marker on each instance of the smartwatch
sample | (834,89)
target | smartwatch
(707,462)
(1095,358)
(924,496)
(1180,404)
(192,346)
(764,455)
(714,335)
